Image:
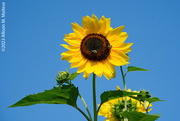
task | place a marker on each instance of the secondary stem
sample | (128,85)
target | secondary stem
(94,97)
(83,113)
(86,107)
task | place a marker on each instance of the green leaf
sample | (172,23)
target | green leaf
(109,95)
(150,100)
(153,99)
(138,116)
(133,68)
(73,76)
(67,94)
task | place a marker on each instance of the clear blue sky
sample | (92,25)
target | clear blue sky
(35,29)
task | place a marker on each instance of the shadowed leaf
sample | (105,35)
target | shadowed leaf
(109,95)
(138,116)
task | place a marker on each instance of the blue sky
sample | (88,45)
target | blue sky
(35,30)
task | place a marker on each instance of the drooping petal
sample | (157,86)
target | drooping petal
(82,68)
(116,60)
(111,68)
(90,66)
(86,75)
(99,69)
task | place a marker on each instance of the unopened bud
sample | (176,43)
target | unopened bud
(62,77)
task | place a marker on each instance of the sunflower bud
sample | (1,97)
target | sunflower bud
(63,77)
(144,94)
(118,108)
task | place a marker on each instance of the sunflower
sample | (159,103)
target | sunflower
(96,47)
(112,109)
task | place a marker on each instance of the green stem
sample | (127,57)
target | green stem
(94,97)
(83,113)
(123,76)
(124,83)
(86,107)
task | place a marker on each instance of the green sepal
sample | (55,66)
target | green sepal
(133,68)
(73,76)
(67,94)
(138,116)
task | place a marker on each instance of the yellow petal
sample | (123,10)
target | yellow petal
(66,57)
(104,25)
(86,75)
(107,75)
(71,36)
(80,63)
(90,25)
(75,43)
(99,69)
(68,53)
(96,21)
(70,47)
(78,30)
(76,57)
(114,34)
(125,47)
(81,68)
(117,88)
(117,61)
(111,68)
(90,66)
(118,41)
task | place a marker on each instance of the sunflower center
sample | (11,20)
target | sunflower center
(95,47)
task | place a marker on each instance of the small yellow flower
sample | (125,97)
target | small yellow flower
(108,109)
(96,47)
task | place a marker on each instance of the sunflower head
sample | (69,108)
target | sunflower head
(112,109)
(96,47)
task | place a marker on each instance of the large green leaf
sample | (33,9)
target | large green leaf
(109,95)
(67,94)
(133,68)
(138,116)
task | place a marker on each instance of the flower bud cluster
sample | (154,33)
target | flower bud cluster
(63,77)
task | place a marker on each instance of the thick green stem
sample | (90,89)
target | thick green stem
(83,113)
(94,97)
(86,107)
(124,83)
